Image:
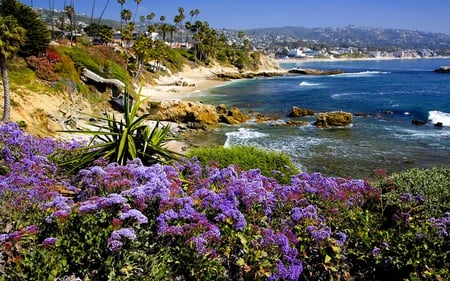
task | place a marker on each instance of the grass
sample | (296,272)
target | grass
(246,158)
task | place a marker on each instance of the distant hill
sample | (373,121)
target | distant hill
(371,37)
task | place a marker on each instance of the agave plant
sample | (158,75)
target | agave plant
(123,140)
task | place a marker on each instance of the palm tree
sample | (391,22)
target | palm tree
(51,5)
(125,16)
(121,2)
(178,20)
(137,7)
(70,12)
(101,15)
(163,27)
(194,13)
(92,10)
(12,36)
(150,17)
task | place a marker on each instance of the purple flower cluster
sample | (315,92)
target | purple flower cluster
(115,240)
(442,224)
(208,209)
(50,241)
(225,200)
(351,192)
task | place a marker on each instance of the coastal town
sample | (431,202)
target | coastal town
(290,42)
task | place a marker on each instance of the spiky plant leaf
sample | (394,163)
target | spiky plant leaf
(123,140)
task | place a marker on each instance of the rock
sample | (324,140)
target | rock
(300,112)
(333,119)
(443,69)
(195,114)
(233,116)
(304,71)
(439,125)
(296,123)
(418,122)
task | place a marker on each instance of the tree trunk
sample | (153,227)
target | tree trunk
(6,91)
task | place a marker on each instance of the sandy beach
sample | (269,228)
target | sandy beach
(180,85)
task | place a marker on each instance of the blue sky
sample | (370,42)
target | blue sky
(424,15)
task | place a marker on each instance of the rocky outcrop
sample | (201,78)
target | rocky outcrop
(333,119)
(300,112)
(443,69)
(232,116)
(195,114)
(248,75)
(308,71)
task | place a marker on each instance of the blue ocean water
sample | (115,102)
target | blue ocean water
(389,93)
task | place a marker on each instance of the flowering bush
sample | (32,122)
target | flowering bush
(192,222)
(44,66)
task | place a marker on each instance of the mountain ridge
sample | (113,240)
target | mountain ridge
(369,37)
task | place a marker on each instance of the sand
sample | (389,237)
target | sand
(192,80)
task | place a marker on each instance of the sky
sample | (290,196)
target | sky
(423,15)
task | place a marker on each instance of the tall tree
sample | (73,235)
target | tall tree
(51,5)
(70,13)
(121,2)
(138,2)
(92,11)
(37,37)
(178,20)
(12,36)
(101,15)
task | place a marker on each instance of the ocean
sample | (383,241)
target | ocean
(388,94)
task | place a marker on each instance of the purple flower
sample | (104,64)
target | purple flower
(340,238)
(376,251)
(199,244)
(88,206)
(319,234)
(4,238)
(309,212)
(135,214)
(111,200)
(115,240)
(114,245)
(123,232)
(50,241)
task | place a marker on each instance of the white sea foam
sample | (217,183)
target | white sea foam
(237,137)
(361,74)
(309,84)
(436,116)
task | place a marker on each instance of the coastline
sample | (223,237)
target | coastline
(188,81)
(292,60)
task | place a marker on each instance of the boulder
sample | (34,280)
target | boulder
(443,69)
(195,114)
(308,71)
(233,116)
(300,112)
(418,122)
(333,119)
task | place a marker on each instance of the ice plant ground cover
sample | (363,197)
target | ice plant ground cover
(191,222)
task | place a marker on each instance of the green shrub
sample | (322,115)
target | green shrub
(82,59)
(271,163)
(415,221)
(432,184)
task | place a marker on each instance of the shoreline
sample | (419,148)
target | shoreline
(180,85)
(294,60)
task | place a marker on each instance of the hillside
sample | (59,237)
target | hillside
(369,37)
(47,107)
